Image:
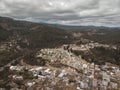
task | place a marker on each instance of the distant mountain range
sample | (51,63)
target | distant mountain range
(42,35)
(73,27)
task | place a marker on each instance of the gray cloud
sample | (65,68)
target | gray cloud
(70,12)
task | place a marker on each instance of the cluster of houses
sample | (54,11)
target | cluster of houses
(65,71)
(84,47)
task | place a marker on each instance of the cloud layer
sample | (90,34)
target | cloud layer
(70,12)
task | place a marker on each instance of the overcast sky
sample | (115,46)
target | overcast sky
(70,12)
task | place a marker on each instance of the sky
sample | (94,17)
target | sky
(66,12)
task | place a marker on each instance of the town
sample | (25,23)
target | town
(64,70)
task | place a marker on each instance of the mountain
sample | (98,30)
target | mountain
(79,27)
(32,34)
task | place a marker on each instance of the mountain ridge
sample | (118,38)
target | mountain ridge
(42,33)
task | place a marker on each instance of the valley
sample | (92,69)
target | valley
(38,56)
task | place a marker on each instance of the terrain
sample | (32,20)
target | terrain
(39,56)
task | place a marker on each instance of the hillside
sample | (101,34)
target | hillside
(4,34)
(18,38)
(34,34)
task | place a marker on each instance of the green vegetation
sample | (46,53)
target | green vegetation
(105,36)
(47,37)
(4,34)
(6,57)
(100,55)
(32,60)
